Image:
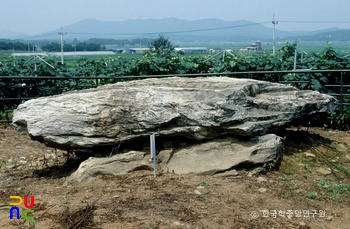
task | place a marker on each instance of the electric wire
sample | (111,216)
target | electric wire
(322,22)
(174,32)
(191,31)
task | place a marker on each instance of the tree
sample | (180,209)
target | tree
(161,44)
(288,50)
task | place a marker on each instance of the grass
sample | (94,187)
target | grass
(337,190)
(3,163)
(311,195)
(203,183)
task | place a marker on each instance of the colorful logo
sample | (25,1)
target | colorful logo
(22,214)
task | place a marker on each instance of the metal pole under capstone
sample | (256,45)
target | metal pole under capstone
(153,153)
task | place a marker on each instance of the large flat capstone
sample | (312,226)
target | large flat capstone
(194,108)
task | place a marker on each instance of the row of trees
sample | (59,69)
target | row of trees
(9,45)
(93,44)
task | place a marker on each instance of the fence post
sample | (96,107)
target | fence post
(55,86)
(341,92)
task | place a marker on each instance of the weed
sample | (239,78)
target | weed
(337,190)
(340,119)
(3,163)
(286,196)
(311,195)
(228,195)
(203,183)
(32,224)
(5,206)
(289,168)
(331,146)
(267,167)
(288,178)
(343,170)
(65,199)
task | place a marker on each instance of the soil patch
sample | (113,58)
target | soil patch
(294,194)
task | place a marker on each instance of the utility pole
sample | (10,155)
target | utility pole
(273,35)
(61,34)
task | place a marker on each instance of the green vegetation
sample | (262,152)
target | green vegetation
(6,44)
(341,119)
(161,45)
(338,191)
(163,60)
(82,46)
(203,183)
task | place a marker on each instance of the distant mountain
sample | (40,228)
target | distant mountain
(7,34)
(335,35)
(179,30)
(205,29)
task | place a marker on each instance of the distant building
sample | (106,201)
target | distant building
(117,50)
(29,54)
(138,50)
(83,53)
(192,49)
(254,47)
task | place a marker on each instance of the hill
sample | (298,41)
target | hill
(6,34)
(179,30)
(176,29)
(337,35)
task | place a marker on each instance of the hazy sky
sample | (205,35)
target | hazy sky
(38,16)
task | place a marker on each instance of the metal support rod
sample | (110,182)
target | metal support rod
(45,62)
(341,92)
(153,153)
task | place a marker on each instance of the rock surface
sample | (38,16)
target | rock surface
(221,155)
(117,165)
(194,108)
(213,157)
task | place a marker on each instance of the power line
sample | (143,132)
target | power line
(323,22)
(39,36)
(191,31)
(173,32)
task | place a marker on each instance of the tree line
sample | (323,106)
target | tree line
(92,44)
(17,45)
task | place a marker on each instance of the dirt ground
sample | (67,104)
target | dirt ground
(310,188)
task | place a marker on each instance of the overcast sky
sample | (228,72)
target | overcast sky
(38,16)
